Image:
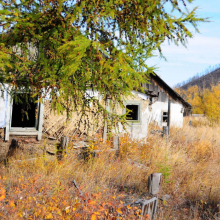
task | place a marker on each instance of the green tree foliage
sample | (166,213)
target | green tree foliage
(71,46)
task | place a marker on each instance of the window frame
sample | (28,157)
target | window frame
(35,127)
(139,103)
(36,130)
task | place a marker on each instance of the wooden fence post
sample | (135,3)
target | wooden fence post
(105,132)
(116,142)
(64,143)
(165,131)
(12,150)
(168,118)
(154,183)
(60,148)
(190,123)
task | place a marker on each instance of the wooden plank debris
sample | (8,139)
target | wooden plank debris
(148,207)
(139,165)
(75,184)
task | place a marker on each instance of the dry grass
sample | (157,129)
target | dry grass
(189,161)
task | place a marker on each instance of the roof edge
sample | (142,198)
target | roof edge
(170,90)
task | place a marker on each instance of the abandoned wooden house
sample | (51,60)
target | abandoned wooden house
(152,106)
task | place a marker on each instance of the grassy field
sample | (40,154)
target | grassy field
(189,161)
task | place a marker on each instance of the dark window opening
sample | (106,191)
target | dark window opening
(133,115)
(165,116)
(24,110)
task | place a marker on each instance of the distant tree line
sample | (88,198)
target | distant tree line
(203,100)
(202,91)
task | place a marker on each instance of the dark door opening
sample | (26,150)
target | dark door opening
(134,114)
(23,111)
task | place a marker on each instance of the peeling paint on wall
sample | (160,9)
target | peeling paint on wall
(141,95)
(153,114)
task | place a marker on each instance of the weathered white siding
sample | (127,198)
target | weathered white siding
(3,108)
(176,115)
(149,114)
(137,131)
(140,131)
(154,113)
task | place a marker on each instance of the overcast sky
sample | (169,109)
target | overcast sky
(202,51)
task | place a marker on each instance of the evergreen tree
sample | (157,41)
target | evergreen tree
(71,46)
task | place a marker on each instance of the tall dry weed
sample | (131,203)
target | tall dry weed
(189,161)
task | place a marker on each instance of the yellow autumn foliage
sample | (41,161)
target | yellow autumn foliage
(203,101)
(189,161)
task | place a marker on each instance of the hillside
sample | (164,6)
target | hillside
(205,81)
(202,91)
